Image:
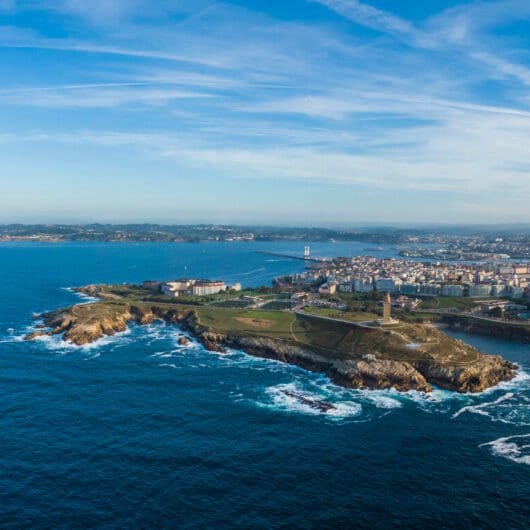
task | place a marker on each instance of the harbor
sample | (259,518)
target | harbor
(305,257)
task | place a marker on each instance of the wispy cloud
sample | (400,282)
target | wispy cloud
(100,95)
(366,15)
(215,89)
(504,68)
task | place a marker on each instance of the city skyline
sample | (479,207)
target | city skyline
(316,112)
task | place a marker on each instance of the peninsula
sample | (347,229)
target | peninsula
(356,350)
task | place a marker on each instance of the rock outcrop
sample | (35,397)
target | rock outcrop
(503,330)
(485,372)
(86,323)
(351,373)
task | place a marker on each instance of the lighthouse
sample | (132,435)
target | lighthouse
(387,309)
(307,252)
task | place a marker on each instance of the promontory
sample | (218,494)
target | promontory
(352,351)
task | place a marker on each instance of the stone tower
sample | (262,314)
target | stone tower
(387,309)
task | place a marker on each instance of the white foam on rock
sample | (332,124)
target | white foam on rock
(521,380)
(57,343)
(87,299)
(279,399)
(512,407)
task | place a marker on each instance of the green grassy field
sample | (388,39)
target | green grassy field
(278,304)
(446,302)
(252,322)
(353,316)
(232,303)
(338,339)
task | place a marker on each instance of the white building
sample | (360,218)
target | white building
(364,285)
(452,290)
(409,288)
(328,288)
(387,285)
(429,289)
(205,288)
(346,287)
(516,292)
(479,290)
(498,290)
(193,287)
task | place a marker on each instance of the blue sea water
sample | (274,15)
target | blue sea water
(137,431)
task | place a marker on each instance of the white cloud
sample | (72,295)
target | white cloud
(504,68)
(102,95)
(369,16)
(236,94)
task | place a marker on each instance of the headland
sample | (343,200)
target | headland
(355,351)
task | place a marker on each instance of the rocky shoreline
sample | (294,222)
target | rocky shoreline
(86,323)
(504,331)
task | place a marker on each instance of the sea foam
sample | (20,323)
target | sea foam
(511,407)
(515,448)
(278,398)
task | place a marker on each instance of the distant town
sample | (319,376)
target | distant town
(366,274)
(495,243)
(497,290)
(191,233)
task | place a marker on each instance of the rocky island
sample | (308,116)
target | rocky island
(404,356)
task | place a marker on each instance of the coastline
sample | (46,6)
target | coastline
(86,323)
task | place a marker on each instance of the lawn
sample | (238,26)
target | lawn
(353,316)
(447,302)
(253,322)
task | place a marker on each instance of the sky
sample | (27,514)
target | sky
(315,112)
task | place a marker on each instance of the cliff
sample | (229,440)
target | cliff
(502,330)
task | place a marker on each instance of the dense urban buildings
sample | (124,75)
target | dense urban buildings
(413,278)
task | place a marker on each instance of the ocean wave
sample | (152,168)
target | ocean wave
(346,403)
(57,344)
(512,448)
(163,353)
(511,407)
(169,365)
(521,380)
(87,299)
(382,401)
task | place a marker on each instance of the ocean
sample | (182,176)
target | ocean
(136,431)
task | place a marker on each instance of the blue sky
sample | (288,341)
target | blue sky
(270,111)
